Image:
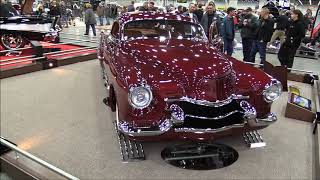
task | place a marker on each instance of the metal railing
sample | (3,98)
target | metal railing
(36,159)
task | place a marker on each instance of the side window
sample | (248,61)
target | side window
(115,29)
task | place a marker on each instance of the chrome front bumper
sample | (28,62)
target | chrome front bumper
(249,115)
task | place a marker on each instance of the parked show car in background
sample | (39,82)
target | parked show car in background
(167,80)
(16,30)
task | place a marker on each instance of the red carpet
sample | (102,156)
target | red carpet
(5,63)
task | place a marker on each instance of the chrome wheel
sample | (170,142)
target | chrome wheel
(12,41)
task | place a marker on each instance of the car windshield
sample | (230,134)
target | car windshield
(163,29)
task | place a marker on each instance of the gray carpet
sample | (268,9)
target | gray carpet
(58,116)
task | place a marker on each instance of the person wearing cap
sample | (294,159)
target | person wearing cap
(190,13)
(100,13)
(90,19)
(262,36)
(247,25)
(228,31)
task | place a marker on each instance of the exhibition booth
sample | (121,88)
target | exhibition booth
(168,105)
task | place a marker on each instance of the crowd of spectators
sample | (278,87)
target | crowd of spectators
(258,28)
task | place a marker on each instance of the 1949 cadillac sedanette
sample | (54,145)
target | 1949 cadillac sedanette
(166,80)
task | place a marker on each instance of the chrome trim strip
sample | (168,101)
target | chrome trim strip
(208,130)
(214,118)
(205,102)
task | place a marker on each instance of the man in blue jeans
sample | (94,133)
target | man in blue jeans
(262,36)
(228,31)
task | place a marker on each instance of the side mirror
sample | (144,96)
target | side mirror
(213,31)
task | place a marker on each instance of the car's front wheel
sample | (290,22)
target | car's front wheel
(12,41)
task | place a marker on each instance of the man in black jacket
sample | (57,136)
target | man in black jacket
(295,33)
(282,23)
(248,24)
(209,17)
(262,36)
(199,12)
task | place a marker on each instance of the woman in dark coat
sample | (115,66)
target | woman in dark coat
(90,19)
(294,34)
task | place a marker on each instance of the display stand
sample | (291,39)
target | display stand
(295,111)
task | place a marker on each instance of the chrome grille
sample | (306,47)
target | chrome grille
(199,116)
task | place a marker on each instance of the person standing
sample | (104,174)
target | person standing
(248,24)
(101,13)
(144,7)
(294,34)
(282,23)
(131,7)
(151,6)
(262,36)
(190,12)
(179,10)
(55,12)
(64,17)
(90,19)
(199,12)
(108,14)
(209,17)
(228,31)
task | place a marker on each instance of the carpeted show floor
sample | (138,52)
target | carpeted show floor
(58,115)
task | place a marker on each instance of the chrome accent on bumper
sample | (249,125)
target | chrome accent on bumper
(209,130)
(213,118)
(207,103)
(250,117)
(177,114)
(129,130)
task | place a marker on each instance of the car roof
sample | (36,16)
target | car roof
(135,16)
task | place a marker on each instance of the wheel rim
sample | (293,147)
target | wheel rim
(11,41)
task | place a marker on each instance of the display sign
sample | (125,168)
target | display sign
(300,101)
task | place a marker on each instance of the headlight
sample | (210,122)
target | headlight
(140,97)
(272,91)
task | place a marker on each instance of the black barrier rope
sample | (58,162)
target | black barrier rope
(316,122)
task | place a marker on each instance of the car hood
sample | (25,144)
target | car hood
(201,71)
(191,58)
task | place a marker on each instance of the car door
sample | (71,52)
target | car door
(111,47)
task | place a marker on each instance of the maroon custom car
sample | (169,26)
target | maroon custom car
(167,80)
